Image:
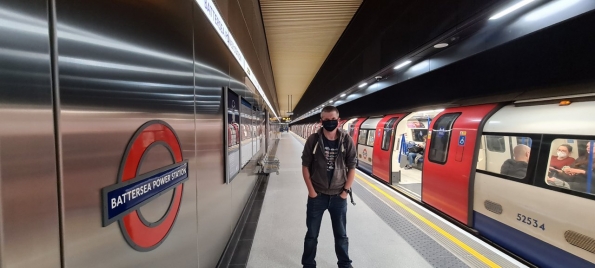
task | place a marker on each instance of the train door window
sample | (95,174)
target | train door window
(571,166)
(352,128)
(417,134)
(371,137)
(523,140)
(507,156)
(441,138)
(388,133)
(363,136)
(495,143)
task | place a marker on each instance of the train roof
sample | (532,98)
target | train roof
(575,119)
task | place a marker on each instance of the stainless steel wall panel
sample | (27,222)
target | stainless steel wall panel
(243,184)
(212,60)
(121,64)
(29,222)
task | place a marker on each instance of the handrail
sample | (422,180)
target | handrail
(590,169)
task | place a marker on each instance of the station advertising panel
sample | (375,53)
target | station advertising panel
(245,131)
(233,134)
(255,140)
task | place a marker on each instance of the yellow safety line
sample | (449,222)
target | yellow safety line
(434,226)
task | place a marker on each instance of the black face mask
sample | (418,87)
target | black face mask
(330,125)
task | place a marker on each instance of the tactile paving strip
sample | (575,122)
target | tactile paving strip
(454,249)
(429,249)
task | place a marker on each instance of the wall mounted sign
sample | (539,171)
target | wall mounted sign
(123,200)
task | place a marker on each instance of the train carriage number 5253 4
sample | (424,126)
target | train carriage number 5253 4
(531,222)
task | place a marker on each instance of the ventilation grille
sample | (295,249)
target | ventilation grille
(580,240)
(493,207)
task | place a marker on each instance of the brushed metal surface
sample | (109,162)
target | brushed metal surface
(29,222)
(214,196)
(121,64)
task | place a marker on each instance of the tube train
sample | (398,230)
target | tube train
(495,169)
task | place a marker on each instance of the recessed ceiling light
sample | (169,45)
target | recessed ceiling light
(363,85)
(510,9)
(330,101)
(441,45)
(343,95)
(402,64)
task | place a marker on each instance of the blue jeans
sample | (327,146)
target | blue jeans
(411,158)
(337,207)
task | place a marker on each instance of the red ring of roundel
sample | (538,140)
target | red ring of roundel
(140,234)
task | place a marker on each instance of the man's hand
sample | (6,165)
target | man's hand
(344,195)
(312,195)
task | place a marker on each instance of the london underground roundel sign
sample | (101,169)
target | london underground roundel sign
(123,200)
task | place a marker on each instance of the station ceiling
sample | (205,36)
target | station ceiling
(300,35)
(319,48)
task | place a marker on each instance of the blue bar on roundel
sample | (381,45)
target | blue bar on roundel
(142,189)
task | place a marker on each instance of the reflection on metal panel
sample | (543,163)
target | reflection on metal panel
(214,196)
(29,222)
(122,64)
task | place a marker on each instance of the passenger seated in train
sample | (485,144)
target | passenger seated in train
(574,176)
(415,153)
(562,157)
(517,167)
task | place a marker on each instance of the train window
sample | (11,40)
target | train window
(371,136)
(388,133)
(352,128)
(363,136)
(441,138)
(495,143)
(570,165)
(417,134)
(506,155)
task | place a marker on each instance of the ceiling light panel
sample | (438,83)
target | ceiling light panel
(402,65)
(511,9)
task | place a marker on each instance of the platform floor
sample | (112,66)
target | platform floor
(385,229)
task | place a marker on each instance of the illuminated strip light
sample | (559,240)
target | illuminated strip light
(208,7)
(402,65)
(511,9)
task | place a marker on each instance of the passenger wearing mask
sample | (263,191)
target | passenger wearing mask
(517,167)
(574,176)
(562,158)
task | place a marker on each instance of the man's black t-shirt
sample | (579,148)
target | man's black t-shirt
(331,150)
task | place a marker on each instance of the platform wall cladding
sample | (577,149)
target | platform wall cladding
(115,151)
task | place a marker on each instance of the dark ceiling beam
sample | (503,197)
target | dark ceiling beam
(380,33)
(550,62)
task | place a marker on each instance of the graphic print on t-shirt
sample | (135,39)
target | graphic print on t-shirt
(331,155)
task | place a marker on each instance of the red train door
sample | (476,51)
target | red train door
(356,125)
(448,163)
(341,123)
(383,146)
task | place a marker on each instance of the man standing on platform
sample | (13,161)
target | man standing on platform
(328,167)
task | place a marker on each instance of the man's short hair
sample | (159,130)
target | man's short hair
(329,109)
(520,150)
